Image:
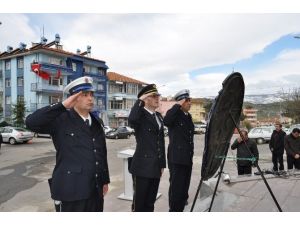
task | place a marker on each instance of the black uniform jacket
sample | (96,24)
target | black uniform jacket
(81,157)
(243,152)
(149,157)
(277,141)
(181,136)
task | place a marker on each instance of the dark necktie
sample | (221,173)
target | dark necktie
(87,122)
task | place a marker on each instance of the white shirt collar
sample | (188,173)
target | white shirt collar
(89,118)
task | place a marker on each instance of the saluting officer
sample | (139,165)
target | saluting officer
(180,150)
(148,161)
(80,177)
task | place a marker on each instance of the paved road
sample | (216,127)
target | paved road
(25,168)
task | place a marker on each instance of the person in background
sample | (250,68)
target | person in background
(244,155)
(276,146)
(292,148)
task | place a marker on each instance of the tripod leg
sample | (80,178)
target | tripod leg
(197,193)
(217,184)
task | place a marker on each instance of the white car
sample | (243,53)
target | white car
(261,134)
(107,129)
(15,135)
(292,127)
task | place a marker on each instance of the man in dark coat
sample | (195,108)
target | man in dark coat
(80,177)
(180,150)
(276,145)
(292,147)
(149,159)
(244,157)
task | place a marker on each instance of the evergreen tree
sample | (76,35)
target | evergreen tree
(18,113)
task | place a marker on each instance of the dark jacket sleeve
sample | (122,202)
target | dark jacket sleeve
(235,144)
(254,151)
(134,117)
(288,147)
(43,120)
(171,115)
(271,143)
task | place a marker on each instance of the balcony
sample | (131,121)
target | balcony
(39,87)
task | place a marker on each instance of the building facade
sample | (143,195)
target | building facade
(122,94)
(251,116)
(39,74)
(197,110)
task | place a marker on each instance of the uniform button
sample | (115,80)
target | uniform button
(72,134)
(97,163)
(96,175)
(93,139)
(95,150)
(159,156)
(69,172)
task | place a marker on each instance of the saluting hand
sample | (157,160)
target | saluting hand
(181,102)
(143,97)
(70,101)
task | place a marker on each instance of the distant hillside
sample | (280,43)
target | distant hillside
(266,110)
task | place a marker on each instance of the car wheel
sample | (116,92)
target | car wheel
(12,141)
(116,137)
(260,141)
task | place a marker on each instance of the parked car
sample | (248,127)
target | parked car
(15,135)
(292,127)
(120,132)
(261,134)
(131,130)
(107,129)
(199,128)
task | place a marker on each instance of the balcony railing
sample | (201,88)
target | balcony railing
(39,87)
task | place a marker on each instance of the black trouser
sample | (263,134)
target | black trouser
(277,158)
(180,178)
(145,192)
(244,169)
(291,162)
(92,204)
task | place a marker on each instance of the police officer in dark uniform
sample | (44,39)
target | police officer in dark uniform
(80,177)
(148,161)
(180,150)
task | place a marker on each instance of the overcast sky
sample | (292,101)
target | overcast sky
(176,51)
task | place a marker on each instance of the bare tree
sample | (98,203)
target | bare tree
(291,104)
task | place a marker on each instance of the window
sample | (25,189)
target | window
(20,98)
(132,89)
(74,66)
(129,103)
(87,69)
(54,99)
(100,102)
(7,82)
(115,104)
(55,61)
(7,100)
(115,88)
(7,65)
(20,81)
(100,87)
(20,63)
(56,82)
(101,72)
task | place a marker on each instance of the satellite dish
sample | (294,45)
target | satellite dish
(220,126)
